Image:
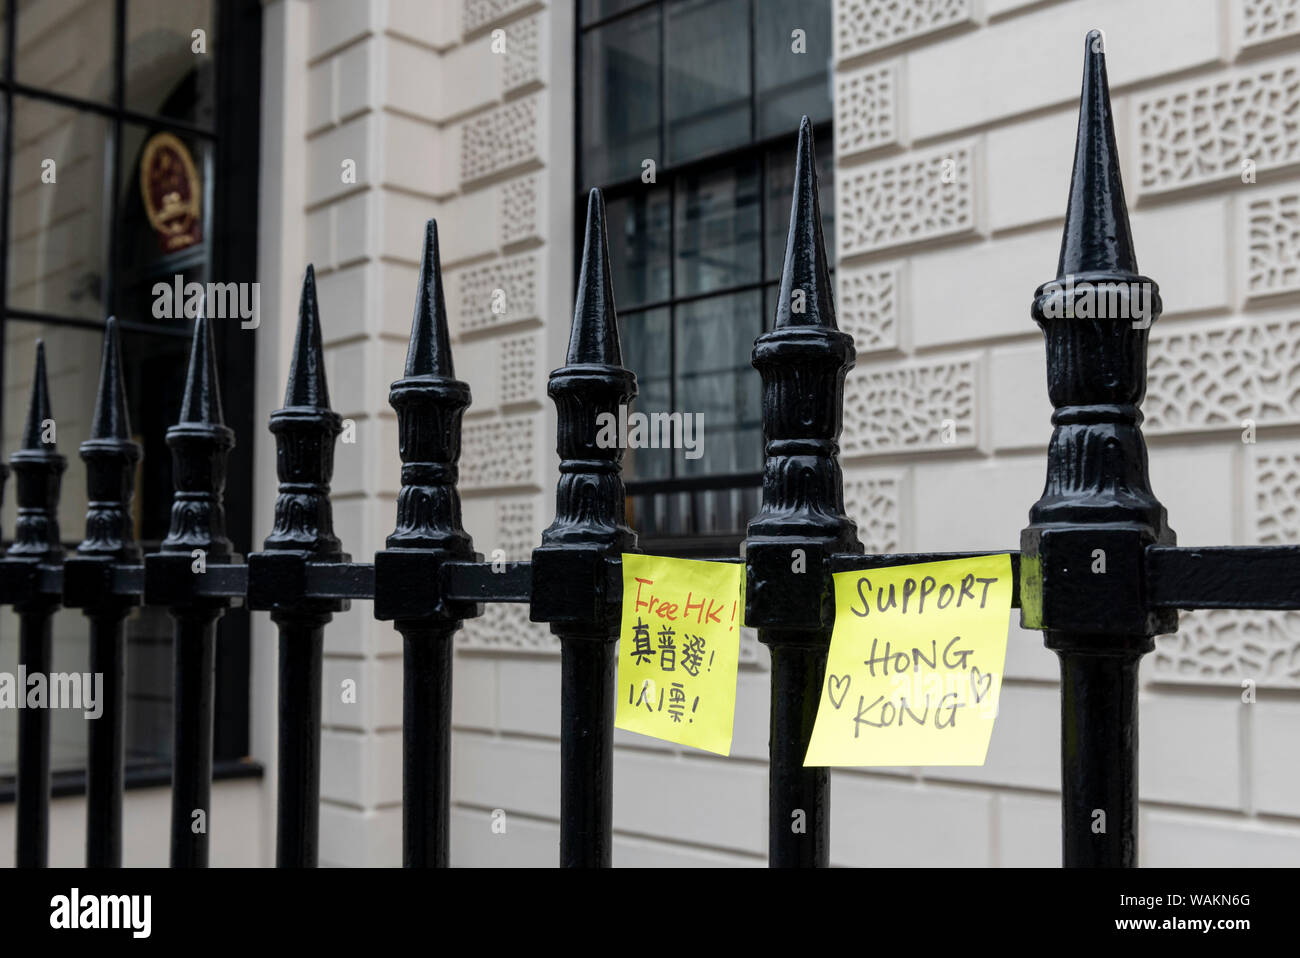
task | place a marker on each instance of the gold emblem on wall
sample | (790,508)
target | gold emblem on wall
(171,191)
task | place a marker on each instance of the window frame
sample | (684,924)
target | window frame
(668,177)
(233,140)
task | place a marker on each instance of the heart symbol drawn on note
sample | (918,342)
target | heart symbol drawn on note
(976,679)
(839,684)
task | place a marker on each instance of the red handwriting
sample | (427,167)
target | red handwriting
(710,614)
(701,610)
(652,605)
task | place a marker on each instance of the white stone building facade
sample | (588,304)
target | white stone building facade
(934,281)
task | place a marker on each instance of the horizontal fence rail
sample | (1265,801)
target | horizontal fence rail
(428,579)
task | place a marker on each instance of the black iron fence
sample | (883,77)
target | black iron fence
(1097,500)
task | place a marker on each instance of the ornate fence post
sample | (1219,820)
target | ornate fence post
(200,443)
(803,361)
(430,402)
(110,456)
(305,432)
(1083,577)
(38,475)
(571,568)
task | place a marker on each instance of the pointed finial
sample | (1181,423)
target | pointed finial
(111,420)
(594,338)
(429,353)
(806,297)
(200,443)
(110,457)
(1097,237)
(38,407)
(307,373)
(429,401)
(202,400)
(38,470)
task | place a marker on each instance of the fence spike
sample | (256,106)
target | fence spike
(38,474)
(38,406)
(307,386)
(805,269)
(430,402)
(570,568)
(594,337)
(1097,512)
(200,443)
(110,456)
(1097,237)
(305,432)
(202,400)
(111,419)
(803,362)
(38,467)
(429,352)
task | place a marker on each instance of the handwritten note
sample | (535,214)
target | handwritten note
(915,664)
(679,648)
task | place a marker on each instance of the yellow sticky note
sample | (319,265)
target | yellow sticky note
(679,648)
(915,665)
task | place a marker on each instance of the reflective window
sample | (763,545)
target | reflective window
(709,102)
(640,246)
(170,59)
(593,10)
(791,84)
(717,235)
(714,337)
(112,186)
(66,46)
(711,93)
(58,244)
(621,97)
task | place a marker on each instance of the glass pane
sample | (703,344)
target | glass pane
(780,194)
(169,70)
(593,10)
(638,236)
(149,685)
(57,239)
(620,98)
(717,233)
(154,368)
(66,46)
(68,727)
(792,69)
(165,200)
(708,89)
(148,689)
(646,349)
(715,338)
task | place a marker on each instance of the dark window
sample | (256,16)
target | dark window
(710,91)
(128,128)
